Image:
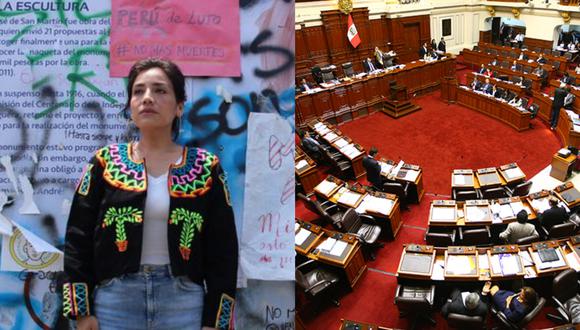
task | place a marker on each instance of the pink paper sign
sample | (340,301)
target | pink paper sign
(202,37)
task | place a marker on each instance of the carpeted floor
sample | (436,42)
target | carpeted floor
(439,138)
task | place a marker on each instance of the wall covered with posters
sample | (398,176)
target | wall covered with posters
(58,104)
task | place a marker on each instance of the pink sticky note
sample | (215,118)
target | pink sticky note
(202,37)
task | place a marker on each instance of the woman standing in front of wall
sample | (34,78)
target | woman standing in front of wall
(151,240)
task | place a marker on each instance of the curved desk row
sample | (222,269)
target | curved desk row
(531,54)
(349,100)
(488,105)
(518,89)
(565,129)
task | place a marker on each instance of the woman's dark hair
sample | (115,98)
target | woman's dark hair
(173,73)
(530,296)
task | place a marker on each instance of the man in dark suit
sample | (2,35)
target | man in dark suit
(559,96)
(495,62)
(475,84)
(482,69)
(464,303)
(442,47)
(541,59)
(554,215)
(523,56)
(368,65)
(487,87)
(310,145)
(423,51)
(373,169)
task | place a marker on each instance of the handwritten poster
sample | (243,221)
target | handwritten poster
(268,224)
(202,37)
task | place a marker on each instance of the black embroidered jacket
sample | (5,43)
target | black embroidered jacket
(105,229)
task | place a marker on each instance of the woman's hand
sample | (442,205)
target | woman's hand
(87,323)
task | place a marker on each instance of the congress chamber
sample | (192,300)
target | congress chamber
(436,166)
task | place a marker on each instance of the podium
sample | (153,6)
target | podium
(449,89)
(398,105)
(562,167)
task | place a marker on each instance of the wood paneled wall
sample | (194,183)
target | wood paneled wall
(485,36)
(533,43)
(328,43)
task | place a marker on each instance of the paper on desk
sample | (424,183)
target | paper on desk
(302,163)
(340,143)
(301,236)
(26,251)
(268,209)
(517,207)
(411,175)
(475,213)
(438,270)
(526,258)
(338,248)
(330,136)
(483,261)
(458,179)
(379,205)
(396,170)
(506,211)
(515,172)
(349,198)
(460,264)
(509,264)
(573,261)
(443,213)
(495,264)
(541,204)
(319,124)
(325,187)
(386,168)
(327,245)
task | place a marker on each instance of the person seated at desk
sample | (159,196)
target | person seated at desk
(423,51)
(539,71)
(368,65)
(569,100)
(566,78)
(519,229)
(516,102)
(442,47)
(464,303)
(562,46)
(497,93)
(523,56)
(310,145)
(488,73)
(554,215)
(482,69)
(541,59)
(305,86)
(571,46)
(514,66)
(519,39)
(373,169)
(495,62)
(475,84)
(433,44)
(514,306)
(487,87)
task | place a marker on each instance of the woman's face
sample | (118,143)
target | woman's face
(153,102)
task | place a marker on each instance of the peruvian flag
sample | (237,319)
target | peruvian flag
(352,33)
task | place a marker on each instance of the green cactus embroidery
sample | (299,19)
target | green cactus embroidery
(191,222)
(119,217)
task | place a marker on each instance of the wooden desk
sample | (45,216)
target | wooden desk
(565,129)
(328,187)
(539,201)
(512,174)
(531,54)
(461,263)
(357,97)
(505,262)
(313,232)
(341,143)
(462,179)
(512,116)
(306,171)
(562,167)
(386,209)
(476,212)
(443,213)
(351,259)
(569,194)
(546,268)
(519,90)
(509,207)
(412,174)
(416,262)
(489,178)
